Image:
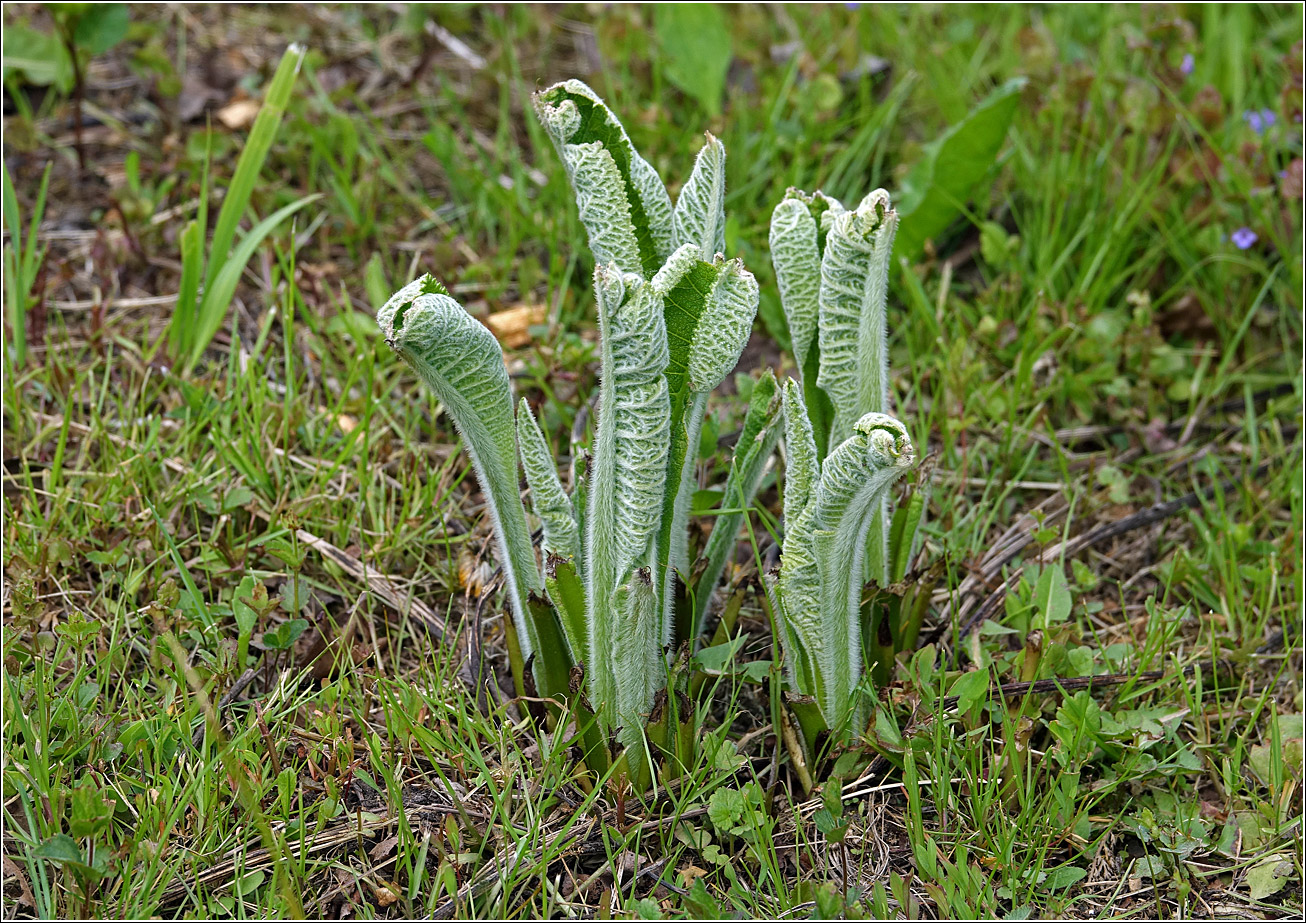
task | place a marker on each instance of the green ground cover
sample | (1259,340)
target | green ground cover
(253,650)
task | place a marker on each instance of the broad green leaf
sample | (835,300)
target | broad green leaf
(709,310)
(1052,600)
(59,848)
(902,533)
(696,50)
(939,185)
(100,27)
(64,849)
(39,56)
(761,432)
(552,665)
(567,592)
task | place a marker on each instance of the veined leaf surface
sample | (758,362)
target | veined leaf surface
(605,169)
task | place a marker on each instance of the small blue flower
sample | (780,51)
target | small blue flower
(1243,238)
(1186,66)
(1259,120)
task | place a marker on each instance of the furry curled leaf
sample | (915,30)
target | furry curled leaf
(462,363)
(548,499)
(723,327)
(626,495)
(700,214)
(709,310)
(824,544)
(852,328)
(632,438)
(624,205)
(796,241)
(626,689)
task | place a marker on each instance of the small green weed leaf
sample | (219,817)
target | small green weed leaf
(59,848)
(1061,878)
(971,689)
(696,50)
(1115,481)
(1269,876)
(91,813)
(78,628)
(294,595)
(284,635)
(648,909)
(87,694)
(705,500)
(63,849)
(716,659)
(40,57)
(726,809)
(1152,867)
(727,758)
(1051,597)
(696,838)
(849,765)
(830,904)
(286,551)
(236,499)
(251,597)
(996,245)
(100,27)
(701,903)
(941,182)
(249,883)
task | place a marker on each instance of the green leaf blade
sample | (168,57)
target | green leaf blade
(696,50)
(942,181)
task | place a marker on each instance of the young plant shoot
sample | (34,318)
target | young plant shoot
(832,268)
(673,315)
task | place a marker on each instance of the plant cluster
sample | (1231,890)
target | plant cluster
(614,588)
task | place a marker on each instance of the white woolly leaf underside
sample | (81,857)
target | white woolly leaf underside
(625,495)
(462,363)
(700,214)
(548,499)
(828,509)
(852,330)
(601,194)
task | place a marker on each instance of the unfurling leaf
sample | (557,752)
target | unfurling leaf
(826,522)
(461,362)
(623,203)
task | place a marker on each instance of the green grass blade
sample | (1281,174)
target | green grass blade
(217,295)
(251,161)
(181,330)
